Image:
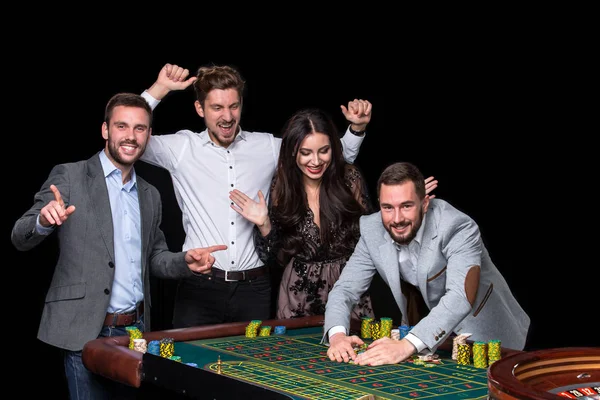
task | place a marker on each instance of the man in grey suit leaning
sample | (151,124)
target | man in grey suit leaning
(107,220)
(426,251)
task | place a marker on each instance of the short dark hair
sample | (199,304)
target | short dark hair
(217,77)
(127,100)
(401,172)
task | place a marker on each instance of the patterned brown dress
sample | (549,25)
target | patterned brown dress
(309,276)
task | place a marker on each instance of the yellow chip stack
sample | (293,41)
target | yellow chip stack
(386,327)
(252,328)
(167,347)
(134,333)
(365,327)
(375,329)
(494,351)
(463,353)
(480,354)
(265,331)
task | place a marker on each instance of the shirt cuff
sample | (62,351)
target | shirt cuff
(419,345)
(151,100)
(336,329)
(42,230)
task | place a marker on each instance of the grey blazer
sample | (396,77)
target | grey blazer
(451,245)
(79,294)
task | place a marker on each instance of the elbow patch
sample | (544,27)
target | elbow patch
(472,283)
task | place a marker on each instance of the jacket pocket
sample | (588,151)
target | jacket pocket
(67,292)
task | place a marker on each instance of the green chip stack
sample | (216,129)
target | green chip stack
(494,351)
(167,347)
(365,327)
(265,331)
(134,333)
(386,327)
(175,358)
(463,353)
(480,354)
(252,328)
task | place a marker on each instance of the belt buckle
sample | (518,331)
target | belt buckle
(234,280)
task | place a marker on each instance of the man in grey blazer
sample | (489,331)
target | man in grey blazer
(107,220)
(435,250)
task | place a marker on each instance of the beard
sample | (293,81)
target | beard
(410,235)
(113,150)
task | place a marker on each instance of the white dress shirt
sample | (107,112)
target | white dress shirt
(204,173)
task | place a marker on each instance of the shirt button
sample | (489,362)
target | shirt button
(232,185)
(231,222)
(106,291)
(111,264)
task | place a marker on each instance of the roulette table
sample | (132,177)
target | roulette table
(292,365)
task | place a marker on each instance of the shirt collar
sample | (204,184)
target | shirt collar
(206,137)
(109,168)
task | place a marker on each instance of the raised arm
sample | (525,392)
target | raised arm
(171,77)
(358,114)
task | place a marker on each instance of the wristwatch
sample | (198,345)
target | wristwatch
(356,133)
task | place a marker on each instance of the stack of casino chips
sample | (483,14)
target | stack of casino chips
(386,327)
(396,334)
(365,327)
(252,328)
(167,347)
(460,339)
(140,345)
(134,333)
(175,358)
(463,353)
(480,354)
(494,351)
(404,329)
(265,331)
(280,330)
(154,347)
(375,329)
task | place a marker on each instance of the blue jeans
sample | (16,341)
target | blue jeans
(85,385)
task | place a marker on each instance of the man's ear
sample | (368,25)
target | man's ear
(425,204)
(199,108)
(105,131)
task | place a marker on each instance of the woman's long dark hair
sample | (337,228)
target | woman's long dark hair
(289,205)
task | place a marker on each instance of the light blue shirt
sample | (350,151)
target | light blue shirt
(127,288)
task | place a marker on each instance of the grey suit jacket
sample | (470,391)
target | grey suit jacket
(79,294)
(451,246)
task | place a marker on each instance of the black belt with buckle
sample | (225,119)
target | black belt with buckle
(237,276)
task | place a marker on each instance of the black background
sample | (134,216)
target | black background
(492,121)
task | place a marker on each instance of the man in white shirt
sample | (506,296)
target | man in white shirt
(204,168)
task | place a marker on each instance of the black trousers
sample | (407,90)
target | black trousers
(203,301)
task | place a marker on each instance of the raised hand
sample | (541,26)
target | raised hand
(358,113)
(201,260)
(171,77)
(55,212)
(254,211)
(430,184)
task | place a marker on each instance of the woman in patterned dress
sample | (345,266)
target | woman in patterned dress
(310,225)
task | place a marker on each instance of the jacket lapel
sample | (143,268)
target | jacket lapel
(98,196)
(425,258)
(146,219)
